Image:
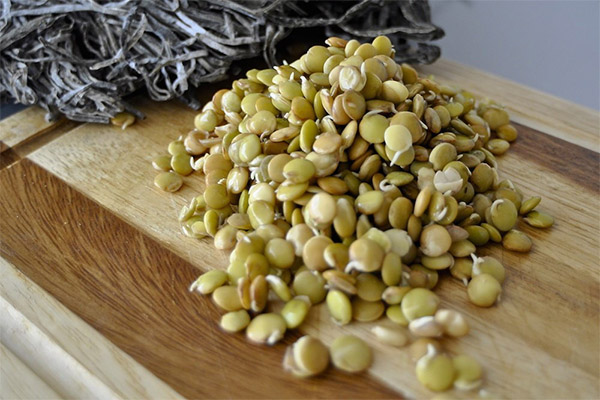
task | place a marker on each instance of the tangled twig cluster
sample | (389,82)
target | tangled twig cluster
(81,57)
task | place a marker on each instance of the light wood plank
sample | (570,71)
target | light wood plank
(23,126)
(539,110)
(17,381)
(512,340)
(68,354)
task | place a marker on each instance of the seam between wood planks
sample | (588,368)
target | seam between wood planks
(11,154)
(24,126)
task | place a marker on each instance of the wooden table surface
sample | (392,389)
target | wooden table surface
(95,271)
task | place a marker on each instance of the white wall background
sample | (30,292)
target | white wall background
(551,45)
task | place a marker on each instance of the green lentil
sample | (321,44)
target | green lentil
(516,240)
(419,302)
(529,204)
(494,234)
(339,307)
(168,181)
(350,353)
(295,311)
(435,371)
(162,163)
(484,290)
(396,315)
(209,281)
(462,248)
(539,219)
(235,321)
(280,253)
(435,240)
(393,295)
(369,287)
(420,347)
(227,298)
(503,214)
(462,269)
(488,265)
(308,356)
(453,323)
(365,255)
(266,328)
(468,372)
(425,327)
(279,287)
(391,269)
(390,336)
(367,311)
(310,284)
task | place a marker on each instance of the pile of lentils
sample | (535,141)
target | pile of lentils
(346,178)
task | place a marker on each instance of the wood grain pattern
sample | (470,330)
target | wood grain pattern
(543,320)
(38,317)
(134,292)
(542,111)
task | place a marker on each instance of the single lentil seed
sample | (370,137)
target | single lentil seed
(419,302)
(350,353)
(295,311)
(235,321)
(395,314)
(484,290)
(279,287)
(168,181)
(369,287)
(529,204)
(310,284)
(468,372)
(313,252)
(209,281)
(435,371)
(339,307)
(227,298)
(516,240)
(390,336)
(162,163)
(539,219)
(367,311)
(266,328)
(308,356)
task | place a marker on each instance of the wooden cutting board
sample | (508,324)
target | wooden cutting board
(95,270)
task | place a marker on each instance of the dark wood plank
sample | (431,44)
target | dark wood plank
(576,163)
(134,292)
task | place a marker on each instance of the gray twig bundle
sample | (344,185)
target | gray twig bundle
(81,57)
